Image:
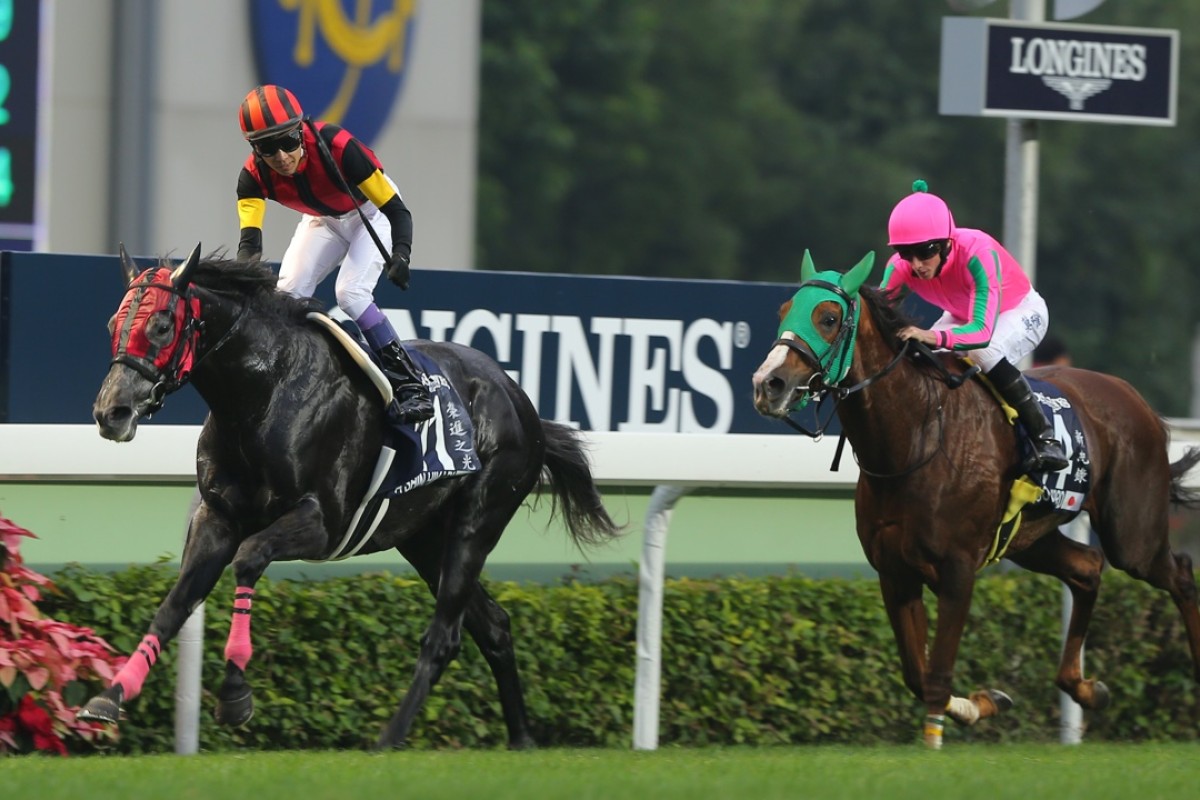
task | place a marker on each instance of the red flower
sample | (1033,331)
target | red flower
(37,722)
(48,653)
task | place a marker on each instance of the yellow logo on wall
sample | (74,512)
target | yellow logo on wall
(345,60)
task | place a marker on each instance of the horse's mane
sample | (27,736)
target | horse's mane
(252,279)
(890,319)
(886,312)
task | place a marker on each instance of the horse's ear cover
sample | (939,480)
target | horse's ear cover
(807,269)
(857,275)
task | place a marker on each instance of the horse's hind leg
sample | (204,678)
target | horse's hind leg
(1171,572)
(489,626)
(1182,587)
(440,643)
(1078,566)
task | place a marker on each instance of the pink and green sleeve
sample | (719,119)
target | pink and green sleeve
(982,305)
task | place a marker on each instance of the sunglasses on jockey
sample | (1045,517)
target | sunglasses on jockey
(922,251)
(286,142)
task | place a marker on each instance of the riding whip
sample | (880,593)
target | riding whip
(327,157)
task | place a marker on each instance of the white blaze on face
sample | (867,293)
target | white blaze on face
(774,359)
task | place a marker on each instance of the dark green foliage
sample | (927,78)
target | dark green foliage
(753,661)
(720,138)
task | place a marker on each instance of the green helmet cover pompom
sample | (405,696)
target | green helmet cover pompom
(920,186)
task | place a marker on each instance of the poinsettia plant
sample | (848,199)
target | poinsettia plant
(44,664)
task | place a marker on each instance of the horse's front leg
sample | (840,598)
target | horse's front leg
(1079,567)
(209,547)
(954,586)
(299,533)
(902,589)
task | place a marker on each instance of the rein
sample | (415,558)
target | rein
(237,323)
(840,393)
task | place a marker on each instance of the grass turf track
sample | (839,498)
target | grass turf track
(1027,772)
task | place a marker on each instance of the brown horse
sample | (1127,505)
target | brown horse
(937,462)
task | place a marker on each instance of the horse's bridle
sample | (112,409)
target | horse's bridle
(185,356)
(838,351)
(820,390)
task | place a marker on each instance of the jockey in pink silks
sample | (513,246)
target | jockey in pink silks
(990,308)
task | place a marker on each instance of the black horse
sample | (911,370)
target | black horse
(287,452)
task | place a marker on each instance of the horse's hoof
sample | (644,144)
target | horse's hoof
(1100,696)
(1000,700)
(236,711)
(980,705)
(383,744)
(104,707)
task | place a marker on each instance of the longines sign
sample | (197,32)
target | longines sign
(1090,73)
(603,353)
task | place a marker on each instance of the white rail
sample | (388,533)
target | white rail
(167,454)
(673,463)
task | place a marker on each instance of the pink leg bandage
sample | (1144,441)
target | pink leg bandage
(238,648)
(133,674)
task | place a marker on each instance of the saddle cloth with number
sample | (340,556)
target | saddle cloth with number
(1066,489)
(412,455)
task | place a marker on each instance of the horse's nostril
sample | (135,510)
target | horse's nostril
(115,415)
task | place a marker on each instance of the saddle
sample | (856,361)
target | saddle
(1061,491)
(411,455)
(1064,490)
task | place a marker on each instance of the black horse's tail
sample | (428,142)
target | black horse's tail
(1180,494)
(569,474)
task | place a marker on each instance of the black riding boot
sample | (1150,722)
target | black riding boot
(1048,453)
(413,400)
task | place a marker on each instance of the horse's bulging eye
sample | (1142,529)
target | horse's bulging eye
(829,320)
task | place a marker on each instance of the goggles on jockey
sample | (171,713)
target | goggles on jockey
(286,142)
(922,251)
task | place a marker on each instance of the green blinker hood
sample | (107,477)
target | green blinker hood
(816,288)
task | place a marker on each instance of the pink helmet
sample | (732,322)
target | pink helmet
(920,217)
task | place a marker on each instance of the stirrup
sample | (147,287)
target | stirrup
(1043,459)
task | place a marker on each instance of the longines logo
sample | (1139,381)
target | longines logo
(1077,69)
(344,59)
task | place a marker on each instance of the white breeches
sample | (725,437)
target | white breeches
(1018,331)
(321,243)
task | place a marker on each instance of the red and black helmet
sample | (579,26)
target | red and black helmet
(268,111)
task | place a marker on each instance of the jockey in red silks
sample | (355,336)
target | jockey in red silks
(328,185)
(990,308)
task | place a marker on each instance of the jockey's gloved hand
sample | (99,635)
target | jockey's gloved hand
(397,270)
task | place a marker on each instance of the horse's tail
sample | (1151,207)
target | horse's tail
(569,474)
(1180,494)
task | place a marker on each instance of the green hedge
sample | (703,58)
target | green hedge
(750,661)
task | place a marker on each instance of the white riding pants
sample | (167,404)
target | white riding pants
(321,243)
(1018,331)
